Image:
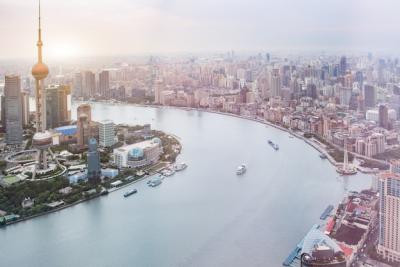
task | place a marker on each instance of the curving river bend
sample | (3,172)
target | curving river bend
(203,216)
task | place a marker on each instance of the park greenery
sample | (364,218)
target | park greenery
(46,191)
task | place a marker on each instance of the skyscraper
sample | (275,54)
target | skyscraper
(275,83)
(343,66)
(106,133)
(383,116)
(389,216)
(57,106)
(104,83)
(84,115)
(3,112)
(13,110)
(25,108)
(157,92)
(93,162)
(359,77)
(89,90)
(369,96)
(78,85)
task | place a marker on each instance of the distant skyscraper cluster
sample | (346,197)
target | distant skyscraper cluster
(89,85)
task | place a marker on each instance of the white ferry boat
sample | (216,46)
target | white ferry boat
(241,169)
(180,167)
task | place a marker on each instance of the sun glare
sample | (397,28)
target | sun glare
(64,50)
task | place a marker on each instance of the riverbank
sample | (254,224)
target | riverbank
(322,148)
(313,143)
(94,196)
(173,212)
(87,194)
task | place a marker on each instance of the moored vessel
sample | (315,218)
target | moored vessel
(180,167)
(130,192)
(154,183)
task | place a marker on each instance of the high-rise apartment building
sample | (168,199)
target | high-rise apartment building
(78,85)
(389,216)
(275,83)
(57,106)
(104,83)
(369,96)
(157,92)
(106,133)
(13,110)
(89,89)
(395,166)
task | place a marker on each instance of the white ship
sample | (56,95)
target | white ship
(180,167)
(241,169)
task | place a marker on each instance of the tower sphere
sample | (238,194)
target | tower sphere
(40,71)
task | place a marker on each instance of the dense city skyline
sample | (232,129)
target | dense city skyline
(314,129)
(90,28)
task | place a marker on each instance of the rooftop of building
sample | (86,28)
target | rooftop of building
(386,175)
(56,86)
(141,145)
(67,130)
(316,237)
(106,122)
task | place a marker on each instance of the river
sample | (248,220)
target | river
(203,216)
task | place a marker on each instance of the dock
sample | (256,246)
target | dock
(296,251)
(326,212)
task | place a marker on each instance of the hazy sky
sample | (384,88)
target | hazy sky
(113,27)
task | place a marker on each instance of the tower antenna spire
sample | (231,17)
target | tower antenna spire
(39,16)
(40,43)
(40,72)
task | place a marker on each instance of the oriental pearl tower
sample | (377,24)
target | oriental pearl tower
(42,140)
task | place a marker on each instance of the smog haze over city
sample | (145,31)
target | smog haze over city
(200,133)
(125,27)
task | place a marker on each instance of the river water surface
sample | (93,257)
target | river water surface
(203,216)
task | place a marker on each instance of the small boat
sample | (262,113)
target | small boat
(180,167)
(241,169)
(104,192)
(323,156)
(130,192)
(274,146)
(168,172)
(291,136)
(155,183)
